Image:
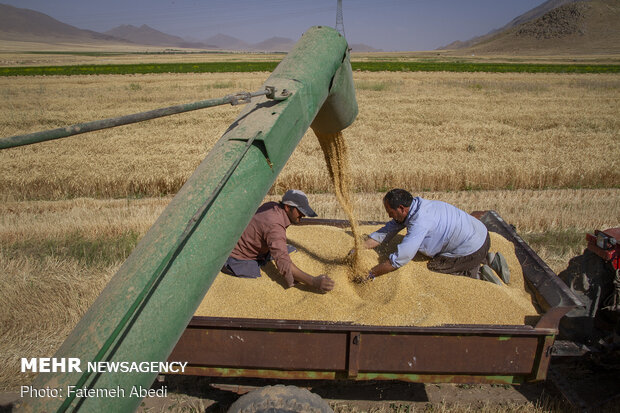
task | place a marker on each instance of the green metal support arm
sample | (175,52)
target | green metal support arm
(48,135)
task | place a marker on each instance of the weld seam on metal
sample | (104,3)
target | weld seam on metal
(161,271)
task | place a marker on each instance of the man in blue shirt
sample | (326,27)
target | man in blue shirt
(456,241)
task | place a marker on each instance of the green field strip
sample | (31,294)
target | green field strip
(483,67)
(130,69)
(225,67)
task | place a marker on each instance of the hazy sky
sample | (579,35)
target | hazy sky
(387,24)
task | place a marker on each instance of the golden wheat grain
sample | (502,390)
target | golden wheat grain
(336,156)
(411,295)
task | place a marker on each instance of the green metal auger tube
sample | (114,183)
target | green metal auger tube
(145,307)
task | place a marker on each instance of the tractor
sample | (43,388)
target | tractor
(594,277)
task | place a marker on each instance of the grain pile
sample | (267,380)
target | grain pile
(409,296)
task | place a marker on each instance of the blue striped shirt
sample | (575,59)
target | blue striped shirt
(433,228)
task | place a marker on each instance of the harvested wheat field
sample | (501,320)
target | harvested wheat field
(409,296)
(420,131)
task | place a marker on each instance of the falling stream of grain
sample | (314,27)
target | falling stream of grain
(337,160)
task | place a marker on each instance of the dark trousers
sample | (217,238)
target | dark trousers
(249,268)
(467,265)
(242,268)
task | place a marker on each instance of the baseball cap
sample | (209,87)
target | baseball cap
(299,200)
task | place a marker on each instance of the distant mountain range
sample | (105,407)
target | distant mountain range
(30,25)
(556,26)
(149,36)
(524,18)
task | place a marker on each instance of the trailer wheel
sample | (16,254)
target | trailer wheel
(280,399)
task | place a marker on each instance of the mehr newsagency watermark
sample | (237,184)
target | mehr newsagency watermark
(74,365)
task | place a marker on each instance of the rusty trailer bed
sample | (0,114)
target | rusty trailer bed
(289,349)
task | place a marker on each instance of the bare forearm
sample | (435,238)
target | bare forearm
(301,276)
(370,243)
(382,268)
(321,282)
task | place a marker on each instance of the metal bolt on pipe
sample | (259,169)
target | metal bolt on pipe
(145,307)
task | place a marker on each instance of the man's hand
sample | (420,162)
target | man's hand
(361,279)
(323,283)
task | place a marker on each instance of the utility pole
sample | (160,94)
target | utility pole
(339,22)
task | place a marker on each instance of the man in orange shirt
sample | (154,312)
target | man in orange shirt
(264,239)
